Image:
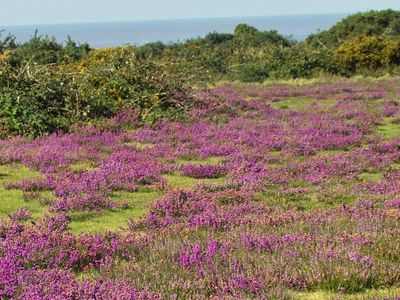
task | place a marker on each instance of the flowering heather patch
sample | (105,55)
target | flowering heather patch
(393,203)
(203,171)
(282,190)
(21,214)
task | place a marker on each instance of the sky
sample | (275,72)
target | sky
(27,12)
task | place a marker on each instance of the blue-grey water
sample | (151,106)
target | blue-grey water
(140,32)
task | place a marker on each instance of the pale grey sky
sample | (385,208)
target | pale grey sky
(18,12)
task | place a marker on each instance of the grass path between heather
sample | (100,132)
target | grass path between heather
(93,222)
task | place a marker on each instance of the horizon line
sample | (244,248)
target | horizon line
(175,19)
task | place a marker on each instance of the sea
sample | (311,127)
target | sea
(110,34)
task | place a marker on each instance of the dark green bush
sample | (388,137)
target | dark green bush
(7,43)
(44,50)
(301,61)
(150,50)
(35,101)
(378,23)
(215,38)
(72,51)
(246,35)
(133,83)
(39,99)
(250,73)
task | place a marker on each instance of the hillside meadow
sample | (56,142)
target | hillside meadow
(231,166)
(278,191)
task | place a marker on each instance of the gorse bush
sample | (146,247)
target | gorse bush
(38,99)
(121,80)
(368,53)
(35,100)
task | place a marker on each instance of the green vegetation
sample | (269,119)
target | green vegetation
(389,128)
(371,294)
(12,200)
(46,86)
(373,23)
(132,205)
(136,205)
(177,181)
(368,53)
(38,98)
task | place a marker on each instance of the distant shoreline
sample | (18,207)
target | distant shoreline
(173,20)
(111,34)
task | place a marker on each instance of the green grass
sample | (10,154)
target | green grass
(112,220)
(91,222)
(388,129)
(139,204)
(180,182)
(12,200)
(372,294)
(81,166)
(293,104)
(370,177)
(331,152)
(140,146)
(301,104)
(213,160)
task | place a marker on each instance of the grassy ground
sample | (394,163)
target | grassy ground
(11,200)
(389,128)
(138,203)
(111,220)
(301,104)
(372,294)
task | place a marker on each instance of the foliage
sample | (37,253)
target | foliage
(115,78)
(378,23)
(7,43)
(46,50)
(301,61)
(39,99)
(47,86)
(35,100)
(246,35)
(215,38)
(368,53)
(150,50)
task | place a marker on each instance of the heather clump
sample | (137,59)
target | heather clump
(37,261)
(203,171)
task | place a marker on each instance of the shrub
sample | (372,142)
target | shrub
(37,99)
(373,23)
(46,50)
(9,42)
(251,72)
(150,50)
(215,38)
(300,61)
(368,53)
(246,36)
(122,81)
